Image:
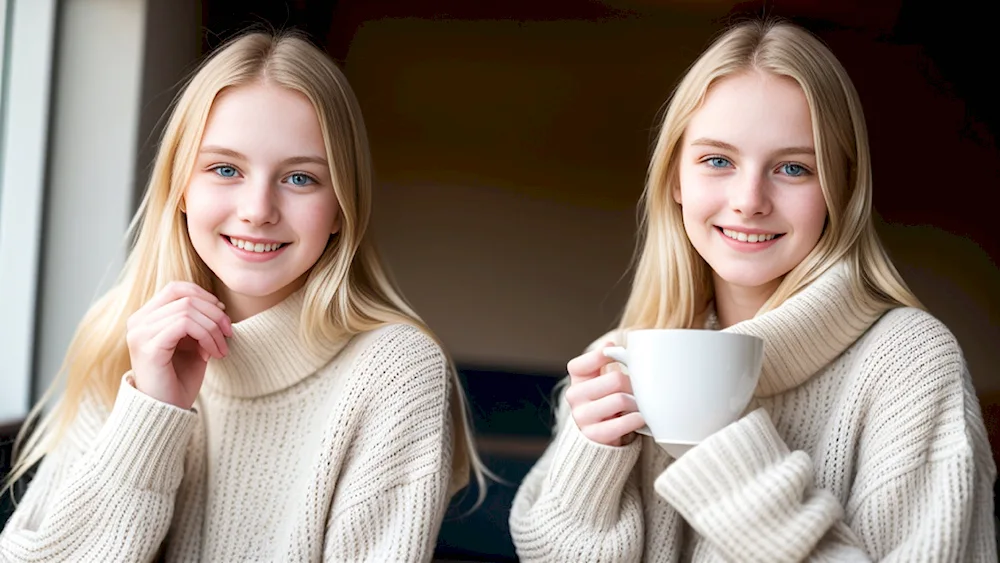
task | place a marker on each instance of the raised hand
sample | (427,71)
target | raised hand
(172,337)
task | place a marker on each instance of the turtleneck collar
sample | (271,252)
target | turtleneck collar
(267,353)
(810,329)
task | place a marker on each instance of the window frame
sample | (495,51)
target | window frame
(28,48)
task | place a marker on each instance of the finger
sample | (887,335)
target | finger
(588,365)
(173,329)
(197,304)
(612,430)
(174,291)
(604,408)
(601,386)
(213,329)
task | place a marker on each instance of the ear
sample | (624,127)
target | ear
(676,192)
(183,205)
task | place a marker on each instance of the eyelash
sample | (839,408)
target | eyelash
(312,181)
(806,171)
(216,167)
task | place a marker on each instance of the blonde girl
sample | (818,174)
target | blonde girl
(253,387)
(864,440)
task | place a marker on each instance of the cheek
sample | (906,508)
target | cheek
(700,198)
(811,214)
(317,219)
(204,208)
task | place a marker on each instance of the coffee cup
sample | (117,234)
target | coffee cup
(689,384)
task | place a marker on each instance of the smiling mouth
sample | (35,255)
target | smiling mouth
(255,246)
(747,237)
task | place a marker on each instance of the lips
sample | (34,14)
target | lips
(257,245)
(749,236)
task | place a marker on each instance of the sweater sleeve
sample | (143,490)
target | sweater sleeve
(580,502)
(107,497)
(754,500)
(392,495)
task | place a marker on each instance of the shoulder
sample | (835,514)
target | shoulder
(917,370)
(907,340)
(396,353)
(924,406)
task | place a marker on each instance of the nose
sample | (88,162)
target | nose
(749,196)
(257,205)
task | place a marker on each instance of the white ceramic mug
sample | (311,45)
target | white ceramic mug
(689,384)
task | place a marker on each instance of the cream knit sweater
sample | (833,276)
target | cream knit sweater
(865,442)
(289,457)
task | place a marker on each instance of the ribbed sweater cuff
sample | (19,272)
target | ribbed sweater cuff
(746,492)
(723,462)
(142,444)
(589,477)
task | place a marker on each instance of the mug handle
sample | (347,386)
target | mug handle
(618,354)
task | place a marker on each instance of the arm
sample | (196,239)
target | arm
(391,498)
(754,500)
(109,498)
(580,502)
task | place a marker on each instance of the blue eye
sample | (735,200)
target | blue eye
(792,169)
(225,171)
(718,162)
(300,180)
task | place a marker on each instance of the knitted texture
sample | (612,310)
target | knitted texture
(864,442)
(287,456)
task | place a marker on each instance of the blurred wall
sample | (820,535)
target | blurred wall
(511,155)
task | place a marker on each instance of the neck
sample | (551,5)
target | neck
(735,304)
(240,306)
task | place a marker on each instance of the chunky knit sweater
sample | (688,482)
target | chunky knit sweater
(287,456)
(864,442)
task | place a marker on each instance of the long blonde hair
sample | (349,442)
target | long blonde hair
(672,282)
(348,291)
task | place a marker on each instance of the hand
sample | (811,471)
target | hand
(602,404)
(171,338)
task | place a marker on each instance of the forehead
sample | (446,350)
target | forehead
(263,117)
(754,111)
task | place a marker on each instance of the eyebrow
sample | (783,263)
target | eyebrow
(223,151)
(706,142)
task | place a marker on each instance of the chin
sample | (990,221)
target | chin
(253,287)
(743,276)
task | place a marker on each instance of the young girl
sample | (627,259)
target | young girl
(864,440)
(253,387)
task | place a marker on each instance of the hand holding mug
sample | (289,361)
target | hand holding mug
(602,404)
(688,383)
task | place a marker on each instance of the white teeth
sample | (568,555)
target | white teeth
(744,237)
(254,247)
